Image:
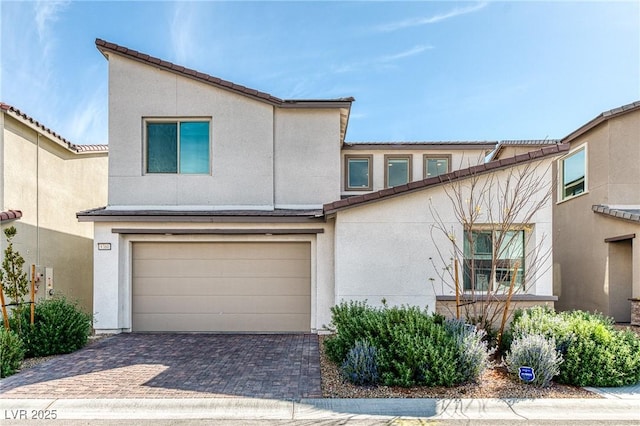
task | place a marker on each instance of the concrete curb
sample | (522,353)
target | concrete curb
(317,409)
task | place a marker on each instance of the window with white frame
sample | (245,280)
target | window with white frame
(573,173)
(397,170)
(436,165)
(358,174)
(178,146)
(484,247)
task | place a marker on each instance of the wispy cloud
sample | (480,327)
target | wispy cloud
(87,124)
(405,54)
(47,12)
(383,60)
(183,21)
(416,22)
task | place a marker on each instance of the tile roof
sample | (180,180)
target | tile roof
(421,144)
(521,143)
(105,47)
(455,175)
(61,140)
(631,214)
(10,215)
(615,112)
(193,215)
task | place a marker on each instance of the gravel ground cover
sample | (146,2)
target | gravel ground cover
(494,383)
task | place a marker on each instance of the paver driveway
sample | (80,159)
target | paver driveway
(283,366)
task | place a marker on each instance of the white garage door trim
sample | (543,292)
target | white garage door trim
(221,286)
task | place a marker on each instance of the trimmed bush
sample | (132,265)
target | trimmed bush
(59,327)
(594,353)
(413,347)
(11,352)
(472,348)
(537,352)
(361,367)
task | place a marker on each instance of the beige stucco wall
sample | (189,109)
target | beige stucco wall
(307,157)
(460,159)
(112,274)
(262,156)
(49,184)
(581,256)
(390,249)
(241,133)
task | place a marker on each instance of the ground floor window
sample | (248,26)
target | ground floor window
(485,248)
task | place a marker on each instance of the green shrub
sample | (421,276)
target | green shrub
(537,352)
(594,353)
(361,366)
(11,352)
(59,327)
(473,353)
(413,347)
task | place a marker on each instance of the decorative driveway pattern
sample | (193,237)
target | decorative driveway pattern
(278,366)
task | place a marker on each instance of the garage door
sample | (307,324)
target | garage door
(251,287)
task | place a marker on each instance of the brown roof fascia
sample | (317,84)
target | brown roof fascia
(453,176)
(103,214)
(106,47)
(605,116)
(10,215)
(453,145)
(30,121)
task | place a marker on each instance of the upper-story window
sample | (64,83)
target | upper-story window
(358,174)
(397,170)
(436,165)
(178,146)
(573,173)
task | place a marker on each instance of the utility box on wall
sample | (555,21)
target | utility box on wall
(43,282)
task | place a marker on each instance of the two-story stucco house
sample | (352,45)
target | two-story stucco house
(596,216)
(44,181)
(230,209)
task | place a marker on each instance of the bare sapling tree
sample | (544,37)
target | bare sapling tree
(489,227)
(13,279)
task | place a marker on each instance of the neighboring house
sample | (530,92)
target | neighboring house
(44,181)
(232,210)
(596,215)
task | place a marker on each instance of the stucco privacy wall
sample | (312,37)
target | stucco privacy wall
(241,156)
(49,184)
(385,250)
(113,277)
(307,157)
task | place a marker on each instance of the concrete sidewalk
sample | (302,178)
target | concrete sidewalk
(323,409)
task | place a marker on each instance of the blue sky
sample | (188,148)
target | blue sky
(420,71)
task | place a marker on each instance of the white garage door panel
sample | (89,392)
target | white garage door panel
(221,287)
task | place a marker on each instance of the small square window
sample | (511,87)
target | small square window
(436,165)
(178,147)
(573,174)
(358,173)
(397,170)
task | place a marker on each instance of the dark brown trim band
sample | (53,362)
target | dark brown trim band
(147,231)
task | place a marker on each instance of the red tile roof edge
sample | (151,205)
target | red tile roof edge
(103,46)
(70,145)
(453,176)
(10,215)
